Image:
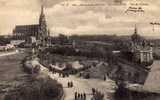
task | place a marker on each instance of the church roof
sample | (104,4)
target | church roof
(32,29)
(26,28)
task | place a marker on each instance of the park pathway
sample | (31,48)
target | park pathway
(85,86)
(80,85)
(152,83)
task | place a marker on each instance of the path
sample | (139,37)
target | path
(8,53)
(153,80)
(85,86)
(80,85)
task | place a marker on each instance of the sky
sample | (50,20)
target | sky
(83,16)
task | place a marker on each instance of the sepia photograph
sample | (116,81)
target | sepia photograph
(79,50)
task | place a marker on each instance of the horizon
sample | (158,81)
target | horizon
(147,37)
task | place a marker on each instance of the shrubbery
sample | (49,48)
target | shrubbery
(70,51)
(39,89)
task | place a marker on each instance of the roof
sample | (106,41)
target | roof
(26,29)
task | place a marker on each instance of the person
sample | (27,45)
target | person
(67,75)
(75,95)
(93,91)
(81,96)
(63,75)
(78,95)
(50,68)
(71,84)
(59,74)
(84,95)
(104,78)
(68,84)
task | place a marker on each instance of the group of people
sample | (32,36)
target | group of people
(70,84)
(80,96)
(97,95)
(51,69)
(61,73)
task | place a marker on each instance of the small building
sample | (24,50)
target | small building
(7,47)
(16,42)
(141,49)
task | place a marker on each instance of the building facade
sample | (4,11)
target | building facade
(141,49)
(39,31)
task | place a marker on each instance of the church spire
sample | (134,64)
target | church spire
(42,19)
(42,23)
(42,9)
(136,38)
(135,30)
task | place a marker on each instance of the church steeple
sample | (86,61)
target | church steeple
(42,10)
(136,38)
(135,30)
(42,23)
(42,19)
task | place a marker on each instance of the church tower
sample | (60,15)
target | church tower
(42,25)
(135,30)
(136,38)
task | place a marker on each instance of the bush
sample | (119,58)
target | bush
(87,76)
(40,89)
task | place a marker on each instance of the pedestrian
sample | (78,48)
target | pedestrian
(59,74)
(50,68)
(93,91)
(63,75)
(104,78)
(75,95)
(80,74)
(68,84)
(78,95)
(84,95)
(71,84)
(81,96)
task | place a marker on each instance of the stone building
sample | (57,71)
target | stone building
(141,49)
(39,31)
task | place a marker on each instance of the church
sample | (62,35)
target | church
(38,31)
(141,49)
